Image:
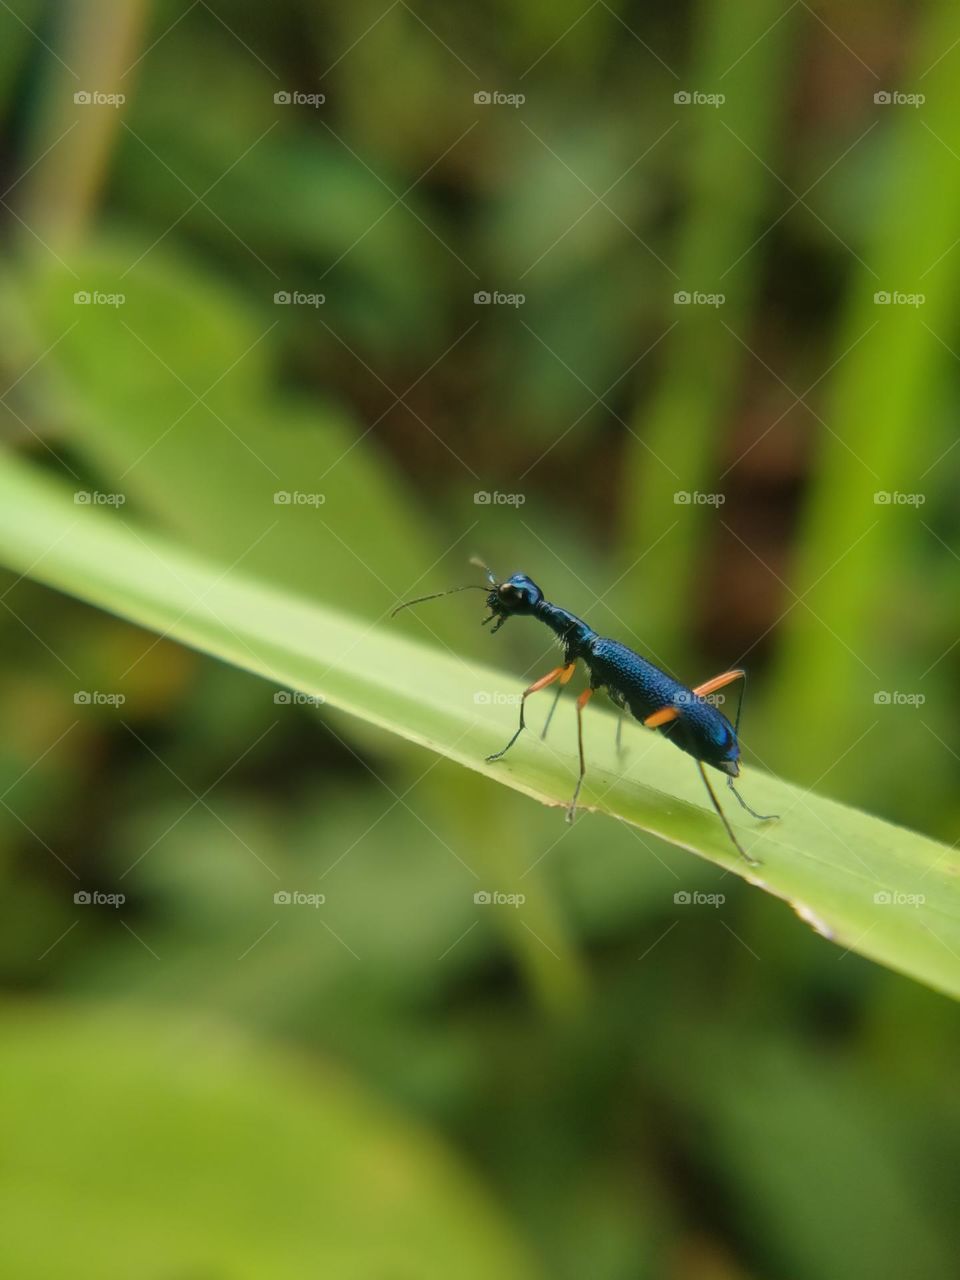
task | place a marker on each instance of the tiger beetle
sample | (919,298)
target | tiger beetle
(632,683)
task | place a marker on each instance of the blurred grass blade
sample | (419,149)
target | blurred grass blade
(728,185)
(871,887)
(270,1167)
(58,201)
(856,558)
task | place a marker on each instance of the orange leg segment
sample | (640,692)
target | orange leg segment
(663,716)
(564,679)
(666,714)
(563,674)
(718,682)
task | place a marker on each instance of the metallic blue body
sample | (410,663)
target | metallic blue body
(632,682)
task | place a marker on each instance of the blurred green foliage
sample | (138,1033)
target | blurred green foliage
(624,1087)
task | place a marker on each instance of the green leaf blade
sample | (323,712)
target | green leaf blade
(872,888)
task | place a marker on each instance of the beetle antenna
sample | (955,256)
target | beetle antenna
(491,576)
(471,586)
